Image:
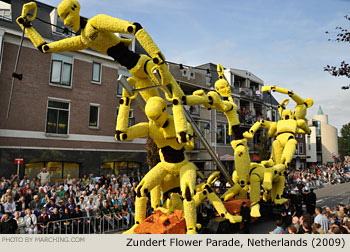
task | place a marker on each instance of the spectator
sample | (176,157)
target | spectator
(279,229)
(24,181)
(4,196)
(126,212)
(69,180)
(77,220)
(81,204)
(287,214)
(245,213)
(321,219)
(85,180)
(316,228)
(292,229)
(44,176)
(31,222)
(20,222)
(41,193)
(43,221)
(7,224)
(9,206)
(70,205)
(35,205)
(60,192)
(66,217)
(107,214)
(55,218)
(21,204)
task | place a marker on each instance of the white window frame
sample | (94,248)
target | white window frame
(54,20)
(98,115)
(2,32)
(47,110)
(301,148)
(3,8)
(71,74)
(131,112)
(125,73)
(92,74)
(128,36)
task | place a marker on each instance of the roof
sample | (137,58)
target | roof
(247,75)
(320,111)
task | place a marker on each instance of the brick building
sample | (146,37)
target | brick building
(63,112)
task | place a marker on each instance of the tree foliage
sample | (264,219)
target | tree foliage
(343,35)
(344,141)
(264,147)
(152,152)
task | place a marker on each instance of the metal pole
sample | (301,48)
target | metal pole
(14,72)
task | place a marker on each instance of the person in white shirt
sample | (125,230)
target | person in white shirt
(321,219)
(31,222)
(44,176)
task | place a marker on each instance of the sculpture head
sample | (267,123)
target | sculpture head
(300,110)
(68,10)
(223,88)
(156,110)
(287,114)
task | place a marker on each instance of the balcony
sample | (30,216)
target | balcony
(193,110)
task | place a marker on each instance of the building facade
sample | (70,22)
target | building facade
(322,144)
(62,114)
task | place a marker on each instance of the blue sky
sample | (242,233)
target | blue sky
(282,42)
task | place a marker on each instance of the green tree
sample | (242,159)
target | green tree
(152,152)
(343,35)
(264,146)
(344,141)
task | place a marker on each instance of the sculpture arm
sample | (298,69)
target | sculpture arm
(136,131)
(303,126)
(64,45)
(107,23)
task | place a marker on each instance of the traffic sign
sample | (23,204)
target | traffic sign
(18,160)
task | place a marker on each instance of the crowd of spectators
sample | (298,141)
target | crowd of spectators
(27,206)
(323,221)
(317,176)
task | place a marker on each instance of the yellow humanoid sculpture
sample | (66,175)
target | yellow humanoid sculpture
(247,175)
(212,100)
(301,104)
(283,149)
(174,161)
(98,33)
(173,171)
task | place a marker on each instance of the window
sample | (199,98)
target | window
(5,11)
(96,72)
(120,86)
(309,142)
(131,117)
(120,90)
(59,27)
(61,70)
(220,133)
(57,117)
(301,148)
(94,116)
(57,170)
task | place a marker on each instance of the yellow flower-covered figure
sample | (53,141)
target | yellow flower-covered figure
(98,33)
(174,162)
(283,147)
(246,176)
(172,172)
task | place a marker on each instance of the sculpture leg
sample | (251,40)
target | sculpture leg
(187,184)
(150,181)
(288,152)
(254,195)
